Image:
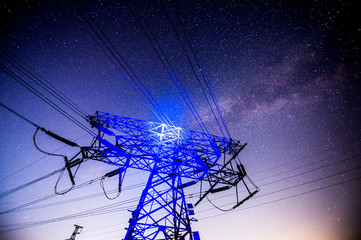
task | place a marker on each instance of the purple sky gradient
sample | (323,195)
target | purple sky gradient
(286,76)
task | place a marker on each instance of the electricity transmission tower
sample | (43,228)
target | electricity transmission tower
(175,159)
(77,230)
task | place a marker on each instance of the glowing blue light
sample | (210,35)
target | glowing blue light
(163,133)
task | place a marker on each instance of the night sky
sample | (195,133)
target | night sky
(286,75)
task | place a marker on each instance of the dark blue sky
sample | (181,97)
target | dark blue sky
(286,76)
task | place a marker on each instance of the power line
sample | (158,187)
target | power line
(7,193)
(21,81)
(88,213)
(301,184)
(108,208)
(200,66)
(288,197)
(191,65)
(166,64)
(20,116)
(308,155)
(281,173)
(291,196)
(23,67)
(113,51)
(87,183)
(327,165)
(92,213)
(49,133)
(132,78)
(36,161)
(80,198)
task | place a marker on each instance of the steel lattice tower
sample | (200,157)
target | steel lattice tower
(176,159)
(76,231)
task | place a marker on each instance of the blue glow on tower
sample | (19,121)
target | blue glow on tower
(165,134)
(175,159)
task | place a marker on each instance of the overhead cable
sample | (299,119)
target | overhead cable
(132,78)
(191,65)
(21,81)
(166,64)
(23,67)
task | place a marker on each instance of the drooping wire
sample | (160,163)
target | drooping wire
(219,208)
(36,161)
(57,182)
(101,210)
(48,153)
(105,193)
(41,150)
(241,209)
(62,172)
(262,185)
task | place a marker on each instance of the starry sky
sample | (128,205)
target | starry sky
(286,75)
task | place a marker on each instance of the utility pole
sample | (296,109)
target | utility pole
(77,230)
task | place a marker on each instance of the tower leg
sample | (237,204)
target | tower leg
(162,210)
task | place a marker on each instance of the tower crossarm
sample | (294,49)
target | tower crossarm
(160,134)
(138,143)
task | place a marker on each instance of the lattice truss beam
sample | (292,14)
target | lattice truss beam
(136,144)
(171,155)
